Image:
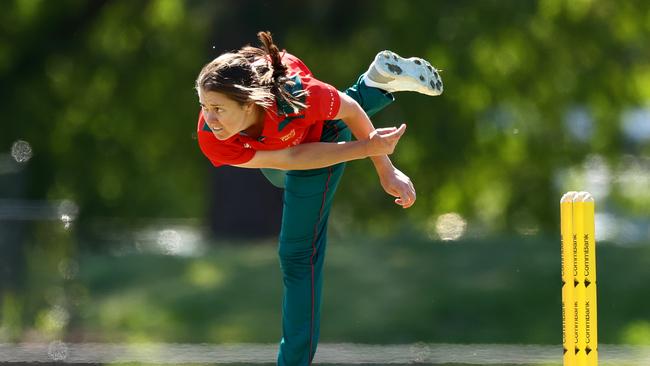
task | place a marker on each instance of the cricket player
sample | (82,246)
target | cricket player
(262,108)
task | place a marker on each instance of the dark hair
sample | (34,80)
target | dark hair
(252,75)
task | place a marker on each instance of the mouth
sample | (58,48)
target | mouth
(216,129)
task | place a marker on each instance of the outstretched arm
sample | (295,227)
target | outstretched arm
(315,155)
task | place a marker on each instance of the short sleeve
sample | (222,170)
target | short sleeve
(221,153)
(323,101)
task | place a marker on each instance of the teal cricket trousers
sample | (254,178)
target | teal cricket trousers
(308,197)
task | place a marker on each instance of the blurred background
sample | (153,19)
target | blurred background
(115,228)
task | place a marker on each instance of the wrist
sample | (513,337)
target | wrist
(365,148)
(382,164)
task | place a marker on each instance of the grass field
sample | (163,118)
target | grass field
(377,291)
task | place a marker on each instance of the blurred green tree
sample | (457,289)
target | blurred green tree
(103,92)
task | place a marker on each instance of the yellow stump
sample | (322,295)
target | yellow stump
(578,279)
(566,236)
(579,308)
(589,278)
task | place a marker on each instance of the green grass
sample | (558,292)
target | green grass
(391,290)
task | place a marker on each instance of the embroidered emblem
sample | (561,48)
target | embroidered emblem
(288,136)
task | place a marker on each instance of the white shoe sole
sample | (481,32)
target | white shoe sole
(408,74)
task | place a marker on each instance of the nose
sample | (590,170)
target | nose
(210,117)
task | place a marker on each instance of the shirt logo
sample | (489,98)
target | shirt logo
(288,136)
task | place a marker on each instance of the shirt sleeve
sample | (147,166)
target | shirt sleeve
(323,101)
(221,153)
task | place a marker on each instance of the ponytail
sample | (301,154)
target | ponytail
(279,69)
(276,76)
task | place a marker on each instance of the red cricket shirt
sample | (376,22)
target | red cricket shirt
(281,129)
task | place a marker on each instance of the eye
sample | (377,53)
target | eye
(207,109)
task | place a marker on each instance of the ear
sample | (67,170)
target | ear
(250,107)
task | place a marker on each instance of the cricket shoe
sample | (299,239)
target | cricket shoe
(393,73)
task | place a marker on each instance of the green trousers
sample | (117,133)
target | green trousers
(308,197)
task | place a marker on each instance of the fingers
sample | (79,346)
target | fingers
(396,134)
(405,201)
(385,130)
(392,138)
(402,128)
(382,141)
(407,197)
(392,131)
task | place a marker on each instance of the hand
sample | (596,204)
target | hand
(399,185)
(382,141)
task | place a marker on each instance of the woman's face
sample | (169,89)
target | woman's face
(225,116)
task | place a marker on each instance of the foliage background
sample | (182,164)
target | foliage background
(541,97)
